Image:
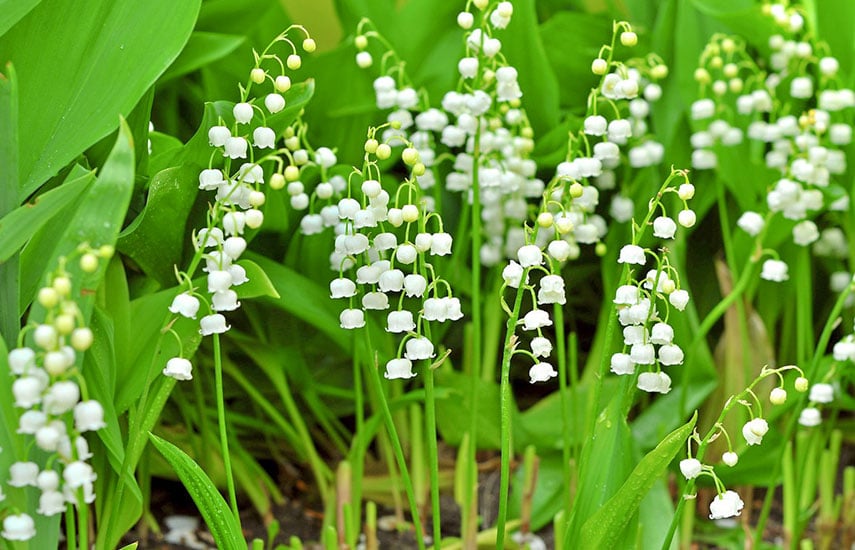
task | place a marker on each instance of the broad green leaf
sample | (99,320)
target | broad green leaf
(605,527)
(97,221)
(197,152)
(218,517)
(583,34)
(77,74)
(11,11)
(744,17)
(605,462)
(9,318)
(522,45)
(18,226)
(259,283)
(155,239)
(304,298)
(834,22)
(202,48)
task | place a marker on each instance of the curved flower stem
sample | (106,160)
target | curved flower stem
(810,374)
(506,405)
(221,421)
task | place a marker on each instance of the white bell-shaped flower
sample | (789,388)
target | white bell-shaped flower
(264,138)
(225,300)
(342,287)
(235,148)
(690,468)
(399,368)
(51,503)
(48,437)
(238,274)
(185,304)
(213,324)
(541,372)
(631,254)
(274,103)
(88,416)
(218,135)
(670,354)
(233,247)
(400,321)
(61,397)
(821,393)
(219,281)
(541,347)
(621,364)
(414,285)
(754,430)
(434,309)
(352,319)
(810,417)
(211,179)
(513,272)
(22,474)
(18,527)
(726,505)
(535,319)
(551,290)
(375,301)
(654,382)
(31,421)
(179,368)
(21,360)
(47,480)
(243,113)
(419,348)
(77,474)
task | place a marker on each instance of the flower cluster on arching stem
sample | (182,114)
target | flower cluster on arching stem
(728,503)
(383,252)
(54,405)
(795,105)
(247,147)
(644,304)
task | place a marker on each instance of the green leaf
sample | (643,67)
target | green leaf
(18,226)
(97,221)
(202,48)
(77,74)
(259,283)
(218,517)
(522,45)
(155,239)
(610,444)
(583,34)
(605,527)
(304,298)
(10,321)
(12,11)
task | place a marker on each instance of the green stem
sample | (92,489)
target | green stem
(83,521)
(433,453)
(506,403)
(558,313)
(477,329)
(399,451)
(70,529)
(221,421)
